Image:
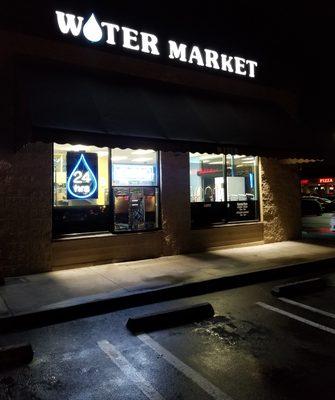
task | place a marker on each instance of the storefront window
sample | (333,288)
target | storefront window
(80,175)
(223,189)
(206,177)
(135,189)
(241,178)
(134,167)
(82,189)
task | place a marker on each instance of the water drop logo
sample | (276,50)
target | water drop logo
(92,30)
(82,181)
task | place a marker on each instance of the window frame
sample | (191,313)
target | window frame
(225,202)
(110,223)
(157,186)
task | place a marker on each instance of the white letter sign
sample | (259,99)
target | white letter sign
(69,23)
(148,43)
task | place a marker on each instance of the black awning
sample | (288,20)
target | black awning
(118,111)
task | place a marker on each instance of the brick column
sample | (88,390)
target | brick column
(26,209)
(175,202)
(280,201)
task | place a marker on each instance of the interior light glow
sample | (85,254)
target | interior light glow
(142,152)
(142,159)
(206,156)
(79,147)
(119,158)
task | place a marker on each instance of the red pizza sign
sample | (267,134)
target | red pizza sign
(326,180)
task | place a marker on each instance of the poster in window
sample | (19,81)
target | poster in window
(81,175)
(241,210)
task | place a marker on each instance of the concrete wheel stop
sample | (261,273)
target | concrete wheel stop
(15,355)
(299,287)
(170,317)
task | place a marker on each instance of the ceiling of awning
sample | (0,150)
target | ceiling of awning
(70,107)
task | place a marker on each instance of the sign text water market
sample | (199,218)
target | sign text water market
(131,39)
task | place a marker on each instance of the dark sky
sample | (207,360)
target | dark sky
(292,43)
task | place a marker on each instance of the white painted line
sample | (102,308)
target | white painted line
(190,373)
(131,373)
(296,317)
(305,306)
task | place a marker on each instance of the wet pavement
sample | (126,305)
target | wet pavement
(318,227)
(244,352)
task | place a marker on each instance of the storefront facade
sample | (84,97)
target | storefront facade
(323,187)
(91,177)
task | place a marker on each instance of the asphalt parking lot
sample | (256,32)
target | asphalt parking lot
(317,226)
(255,347)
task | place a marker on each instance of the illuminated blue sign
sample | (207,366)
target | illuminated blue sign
(251,180)
(81,175)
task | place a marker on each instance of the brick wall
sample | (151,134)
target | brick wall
(26,209)
(281,201)
(176,216)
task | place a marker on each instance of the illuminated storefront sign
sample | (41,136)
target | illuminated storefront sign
(132,175)
(207,171)
(326,180)
(81,175)
(131,39)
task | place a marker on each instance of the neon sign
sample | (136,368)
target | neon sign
(131,39)
(207,171)
(326,180)
(82,175)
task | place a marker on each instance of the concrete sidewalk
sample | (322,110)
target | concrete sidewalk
(74,287)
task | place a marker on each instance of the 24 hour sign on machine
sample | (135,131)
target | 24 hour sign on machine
(116,35)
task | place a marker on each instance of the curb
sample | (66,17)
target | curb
(11,356)
(170,317)
(86,306)
(299,287)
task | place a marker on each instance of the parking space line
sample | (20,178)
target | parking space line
(190,373)
(131,373)
(296,317)
(305,306)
